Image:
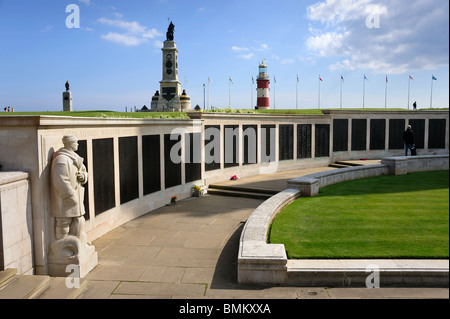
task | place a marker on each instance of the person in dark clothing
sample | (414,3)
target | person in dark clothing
(408,138)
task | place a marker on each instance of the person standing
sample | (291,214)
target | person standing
(408,139)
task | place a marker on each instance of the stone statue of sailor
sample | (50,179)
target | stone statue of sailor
(68,175)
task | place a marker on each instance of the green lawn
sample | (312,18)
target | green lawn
(404,216)
(107,114)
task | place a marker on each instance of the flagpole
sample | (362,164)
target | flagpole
(296,94)
(409,84)
(274,91)
(208,92)
(341,91)
(385,93)
(318,100)
(251,104)
(364,89)
(431,96)
(229,92)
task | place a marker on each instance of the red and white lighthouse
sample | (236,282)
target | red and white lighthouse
(263,88)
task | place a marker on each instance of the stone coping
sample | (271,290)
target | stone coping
(54,120)
(263,263)
(7,177)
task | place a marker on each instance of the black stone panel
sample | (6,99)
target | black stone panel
(193,165)
(322,146)
(436,133)
(304,140)
(231,145)
(286,142)
(418,127)
(340,135)
(268,152)
(128,169)
(82,151)
(359,134)
(377,134)
(250,147)
(396,129)
(103,162)
(151,163)
(172,168)
(212,151)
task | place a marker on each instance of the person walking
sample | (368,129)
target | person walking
(408,139)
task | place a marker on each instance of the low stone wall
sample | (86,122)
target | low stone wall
(16,240)
(258,261)
(410,164)
(263,263)
(310,184)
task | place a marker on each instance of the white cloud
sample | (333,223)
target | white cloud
(158,44)
(287,61)
(246,56)
(128,40)
(136,33)
(133,26)
(151,34)
(260,48)
(47,28)
(86,2)
(238,49)
(411,35)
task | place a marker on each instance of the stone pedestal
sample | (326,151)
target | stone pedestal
(67,101)
(71,251)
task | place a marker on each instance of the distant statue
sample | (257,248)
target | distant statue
(170,31)
(67,86)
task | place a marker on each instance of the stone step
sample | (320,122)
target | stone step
(348,163)
(24,287)
(336,165)
(6,276)
(238,193)
(243,189)
(59,290)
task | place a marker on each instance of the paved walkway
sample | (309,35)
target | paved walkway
(189,250)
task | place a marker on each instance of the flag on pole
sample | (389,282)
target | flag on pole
(342,78)
(274,79)
(433,77)
(386,79)
(365,77)
(411,77)
(231,80)
(297,78)
(209,79)
(320,78)
(253,80)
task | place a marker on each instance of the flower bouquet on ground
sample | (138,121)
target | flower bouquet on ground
(199,191)
(173,201)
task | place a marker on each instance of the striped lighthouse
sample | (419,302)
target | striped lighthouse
(263,88)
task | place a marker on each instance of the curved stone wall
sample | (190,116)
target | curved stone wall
(263,263)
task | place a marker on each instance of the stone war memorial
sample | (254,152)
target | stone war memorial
(66,181)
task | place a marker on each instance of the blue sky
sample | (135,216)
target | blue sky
(113,60)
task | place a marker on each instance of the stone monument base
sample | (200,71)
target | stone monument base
(67,101)
(70,251)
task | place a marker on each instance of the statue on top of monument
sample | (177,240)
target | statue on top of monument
(170,30)
(67,86)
